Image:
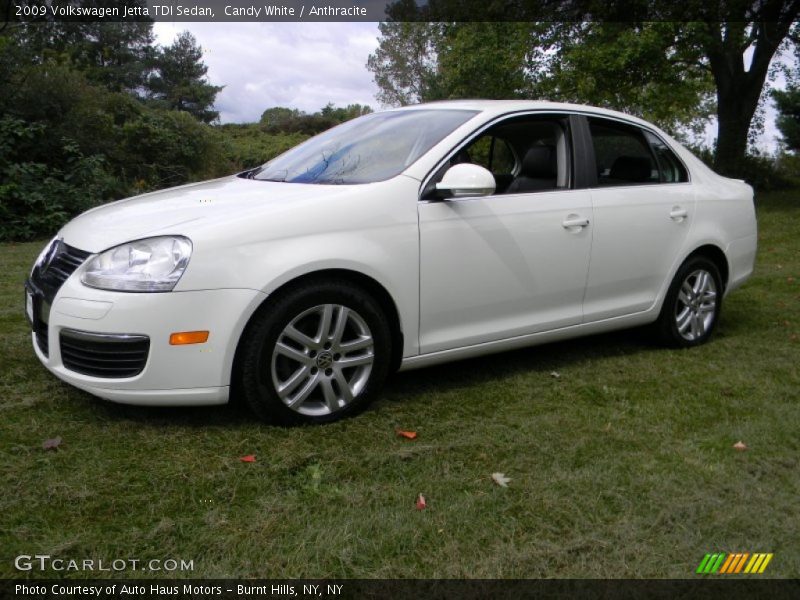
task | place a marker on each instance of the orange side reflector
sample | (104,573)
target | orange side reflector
(188,337)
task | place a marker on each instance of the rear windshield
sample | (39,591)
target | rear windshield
(374,147)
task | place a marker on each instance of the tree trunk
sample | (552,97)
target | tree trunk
(734,114)
(738,89)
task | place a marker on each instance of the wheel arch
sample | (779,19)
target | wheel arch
(709,249)
(716,255)
(366,283)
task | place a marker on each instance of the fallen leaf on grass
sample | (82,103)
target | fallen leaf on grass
(500,479)
(52,444)
(409,435)
(248,458)
(740,446)
(421,504)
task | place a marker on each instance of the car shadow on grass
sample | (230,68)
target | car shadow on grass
(408,386)
(543,359)
(231,415)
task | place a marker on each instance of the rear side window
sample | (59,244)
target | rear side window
(670,167)
(623,155)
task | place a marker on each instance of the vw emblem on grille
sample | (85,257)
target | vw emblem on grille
(52,252)
(324,360)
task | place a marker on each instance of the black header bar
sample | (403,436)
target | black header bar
(224,11)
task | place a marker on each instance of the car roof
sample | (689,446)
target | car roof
(500,107)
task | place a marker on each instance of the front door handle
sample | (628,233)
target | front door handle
(678,214)
(575,222)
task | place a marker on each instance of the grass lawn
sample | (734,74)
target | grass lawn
(621,466)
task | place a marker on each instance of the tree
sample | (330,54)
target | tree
(759,27)
(180,83)
(668,70)
(569,61)
(487,60)
(663,66)
(405,63)
(788,105)
(635,68)
(280,119)
(342,114)
(114,55)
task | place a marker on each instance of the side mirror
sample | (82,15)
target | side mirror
(467,179)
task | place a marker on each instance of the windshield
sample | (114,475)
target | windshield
(374,147)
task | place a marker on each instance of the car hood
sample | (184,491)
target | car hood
(190,209)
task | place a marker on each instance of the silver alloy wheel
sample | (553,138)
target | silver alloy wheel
(322,359)
(696,306)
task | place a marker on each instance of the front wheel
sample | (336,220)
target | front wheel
(317,354)
(692,305)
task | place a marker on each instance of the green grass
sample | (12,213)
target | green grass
(623,466)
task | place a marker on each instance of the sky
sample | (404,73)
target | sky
(297,65)
(306,66)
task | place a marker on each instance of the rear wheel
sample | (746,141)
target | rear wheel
(692,306)
(317,354)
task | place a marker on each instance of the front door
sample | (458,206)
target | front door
(501,266)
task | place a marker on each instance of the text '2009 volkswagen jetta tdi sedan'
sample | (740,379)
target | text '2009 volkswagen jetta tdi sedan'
(397,240)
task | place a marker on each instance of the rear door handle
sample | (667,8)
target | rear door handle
(575,221)
(678,214)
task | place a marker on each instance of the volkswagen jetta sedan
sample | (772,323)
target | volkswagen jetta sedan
(397,240)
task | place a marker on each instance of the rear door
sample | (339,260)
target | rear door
(643,205)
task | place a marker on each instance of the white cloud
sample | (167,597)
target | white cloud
(299,65)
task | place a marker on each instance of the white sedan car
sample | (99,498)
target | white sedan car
(397,240)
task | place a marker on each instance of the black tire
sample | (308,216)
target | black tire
(261,367)
(674,331)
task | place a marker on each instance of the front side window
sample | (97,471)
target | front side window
(494,154)
(622,154)
(525,154)
(372,148)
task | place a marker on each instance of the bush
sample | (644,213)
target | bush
(66,145)
(36,199)
(165,148)
(789,165)
(764,173)
(251,145)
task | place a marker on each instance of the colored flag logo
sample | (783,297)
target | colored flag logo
(727,564)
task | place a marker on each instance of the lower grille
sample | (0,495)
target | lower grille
(110,356)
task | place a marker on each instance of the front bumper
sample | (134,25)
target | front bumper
(194,374)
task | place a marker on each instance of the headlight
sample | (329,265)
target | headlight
(150,265)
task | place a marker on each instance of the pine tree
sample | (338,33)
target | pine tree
(179,81)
